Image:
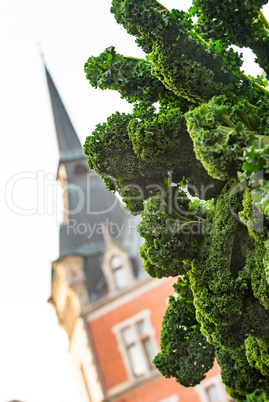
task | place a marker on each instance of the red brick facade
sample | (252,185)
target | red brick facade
(109,357)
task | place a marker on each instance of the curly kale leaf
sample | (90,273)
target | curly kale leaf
(257,353)
(219,135)
(253,321)
(136,177)
(259,284)
(139,18)
(252,215)
(178,60)
(223,299)
(237,22)
(257,254)
(256,396)
(185,354)
(163,138)
(256,157)
(170,239)
(217,284)
(131,77)
(111,155)
(227,336)
(237,374)
(162,135)
(256,170)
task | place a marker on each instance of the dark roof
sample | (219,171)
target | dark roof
(83,235)
(69,145)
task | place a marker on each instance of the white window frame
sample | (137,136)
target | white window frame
(113,250)
(151,334)
(201,389)
(171,398)
(120,266)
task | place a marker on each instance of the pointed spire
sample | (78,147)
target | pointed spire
(69,145)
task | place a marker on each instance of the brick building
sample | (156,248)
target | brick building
(110,308)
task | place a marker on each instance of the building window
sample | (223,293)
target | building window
(119,272)
(81,169)
(172,398)
(137,343)
(212,390)
(212,393)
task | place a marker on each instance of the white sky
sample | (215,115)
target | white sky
(34,363)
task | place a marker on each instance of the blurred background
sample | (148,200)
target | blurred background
(34,361)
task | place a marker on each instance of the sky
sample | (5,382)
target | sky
(34,361)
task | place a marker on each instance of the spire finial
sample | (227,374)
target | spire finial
(41,52)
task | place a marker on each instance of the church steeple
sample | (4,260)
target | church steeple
(88,205)
(69,145)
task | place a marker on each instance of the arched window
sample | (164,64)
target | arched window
(119,272)
(80,169)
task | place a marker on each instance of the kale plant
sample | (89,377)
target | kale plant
(193,159)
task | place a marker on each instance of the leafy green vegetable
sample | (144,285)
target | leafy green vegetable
(217,288)
(178,60)
(237,374)
(220,135)
(163,138)
(185,354)
(170,238)
(257,353)
(111,155)
(199,129)
(236,22)
(131,77)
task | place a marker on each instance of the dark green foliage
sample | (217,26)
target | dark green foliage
(255,161)
(185,354)
(220,134)
(111,155)
(146,20)
(178,60)
(236,372)
(163,134)
(228,277)
(237,22)
(139,18)
(129,166)
(256,396)
(217,287)
(227,336)
(187,69)
(256,318)
(266,260)
(171,237)
(257,354)
(253,319)
(157,161)
(259,284)
(163,138)
(253,217)
(131,77)
(231,138)
(256,170)
(256,157)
